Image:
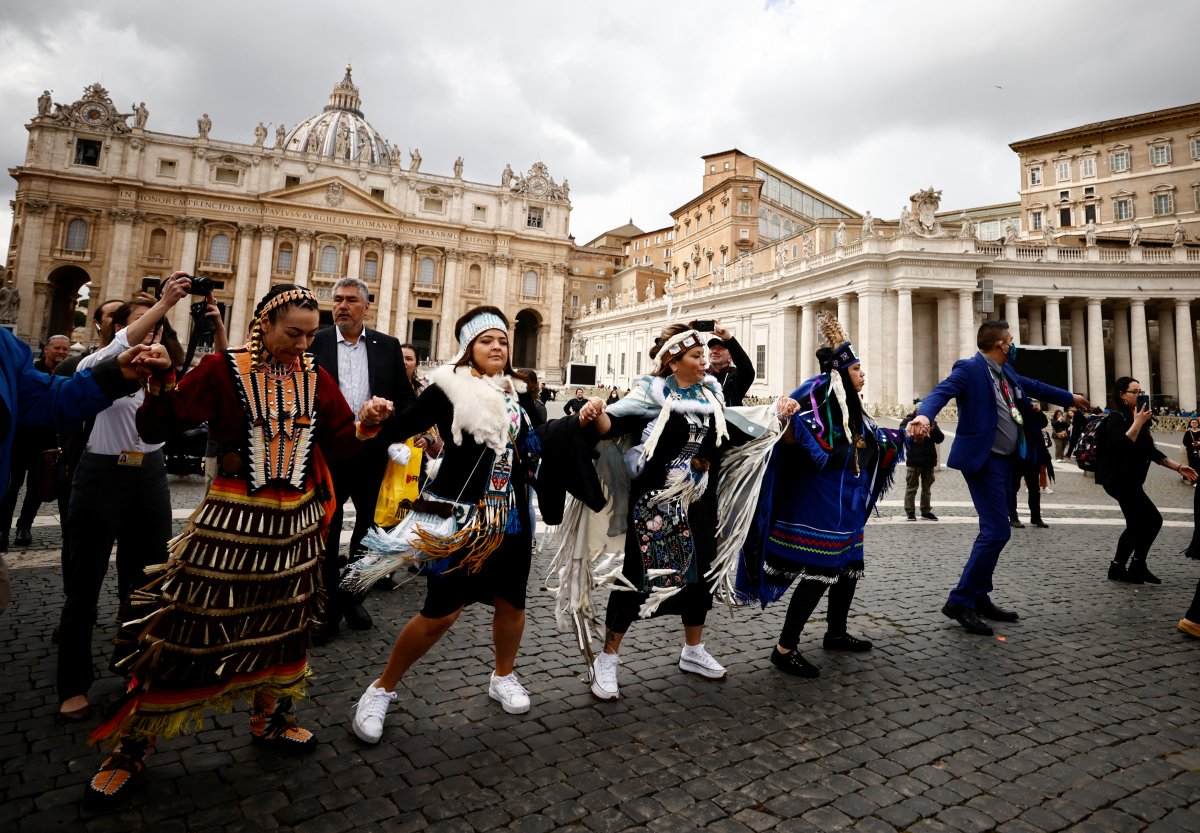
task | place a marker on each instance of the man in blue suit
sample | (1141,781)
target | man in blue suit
(995,431)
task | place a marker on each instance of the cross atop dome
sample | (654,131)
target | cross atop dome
(345,96)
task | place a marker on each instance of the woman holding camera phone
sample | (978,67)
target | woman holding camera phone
(1125,451)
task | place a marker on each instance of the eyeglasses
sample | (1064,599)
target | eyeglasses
(1135,392)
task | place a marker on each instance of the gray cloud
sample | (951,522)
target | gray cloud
(865,101)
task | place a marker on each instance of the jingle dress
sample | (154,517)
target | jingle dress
(227,617)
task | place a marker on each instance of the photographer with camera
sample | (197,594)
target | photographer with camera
(1124,451)
(727,361)
(119,493)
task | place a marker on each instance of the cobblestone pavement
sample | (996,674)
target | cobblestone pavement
(1084,715)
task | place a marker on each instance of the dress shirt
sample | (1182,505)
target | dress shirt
(353,376)
(115,429)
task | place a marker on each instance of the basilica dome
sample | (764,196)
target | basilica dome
(340,131)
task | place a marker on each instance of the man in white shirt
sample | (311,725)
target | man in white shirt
(119,493)
(365,363)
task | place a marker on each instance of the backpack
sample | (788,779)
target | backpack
(1087,452)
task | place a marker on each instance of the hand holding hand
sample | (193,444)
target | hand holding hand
(1082,402)
(785,406)
(374,411)
(591,409)
(918,428)
(139,361)
(1188,472)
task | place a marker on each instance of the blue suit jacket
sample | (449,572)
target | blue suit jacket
(970,382)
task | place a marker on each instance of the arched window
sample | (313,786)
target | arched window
(370,267)
(77,233)
(218,249)
(329,259)
(530,287)
(474,277)
(425,275)
(158,244)
(285,258)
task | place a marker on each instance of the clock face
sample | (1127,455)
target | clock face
(94,114)
(537,185)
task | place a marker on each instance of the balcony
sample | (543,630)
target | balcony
(213,267)
(432,289)
(75,255)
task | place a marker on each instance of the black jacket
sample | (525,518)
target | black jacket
(737,378)
(385,369)
(1121,462)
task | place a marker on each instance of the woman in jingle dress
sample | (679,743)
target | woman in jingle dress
(474,401)
(227,617)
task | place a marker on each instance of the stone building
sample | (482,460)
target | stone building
(906,290)
(103,200)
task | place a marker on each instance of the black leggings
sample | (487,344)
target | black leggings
(1142,522)
(804,601)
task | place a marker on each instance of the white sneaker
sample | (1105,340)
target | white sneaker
(604,676)
(695,660)
(370,712)
(511,694)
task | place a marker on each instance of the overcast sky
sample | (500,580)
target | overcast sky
(866,101)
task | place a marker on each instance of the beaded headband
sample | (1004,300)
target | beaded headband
(844,356)
(289,296)
(676,345)
(472,328)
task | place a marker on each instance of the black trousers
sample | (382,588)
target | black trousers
(804,601)
(357,478)
(1019,473)
(24,468)
(128,505)
(1142,521)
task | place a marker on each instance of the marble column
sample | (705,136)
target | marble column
(1185,354)
(450,304)
(783,370)
(1139,344)
(242,305)
(303,256)
(1012,314)
(387,284)
(33,224)
(845,317)
(1034,336)
(870,342)
(968,328)
(404,292)
(947,335)
(1121,365)
(187,263)
(502,262)
(1168,375)
(1079,363)
(118,260)
(808,344)
(1096,374)
(354,261)
(1053,323)
(266,255)
(904,347)
(551,361)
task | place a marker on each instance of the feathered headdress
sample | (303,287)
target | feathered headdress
(839,342)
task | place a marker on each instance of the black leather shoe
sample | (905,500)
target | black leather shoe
(1142,574)
(1040,524)
(966,617)
(912,516)
(357,617)
(324,634)
(997,614)
(929,516)
(23,538)
(794,664)
(1118,572)
(845,642)
(1015,523)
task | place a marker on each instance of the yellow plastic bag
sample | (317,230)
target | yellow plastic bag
(400,483)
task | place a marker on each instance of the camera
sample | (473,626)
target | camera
(202,285)
(704,326)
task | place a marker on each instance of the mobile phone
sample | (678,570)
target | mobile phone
(704,326)
(1143,401)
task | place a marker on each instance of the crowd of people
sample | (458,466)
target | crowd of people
(698,497)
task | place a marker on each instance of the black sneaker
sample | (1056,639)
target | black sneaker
(794,664)
(845,642)
(912,516)
(929,516)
